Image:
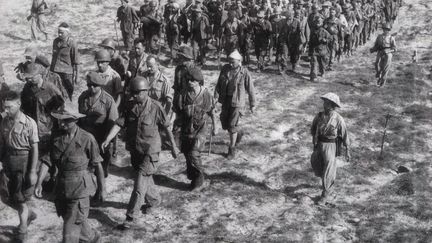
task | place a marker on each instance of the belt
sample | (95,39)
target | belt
(17,152)
(326,140)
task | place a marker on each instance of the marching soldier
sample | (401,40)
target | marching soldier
(143,117)
(37,16)
(318,48)
(100,112)
(181,72)
(65,58)
(137,63)
(19,155)
(332,25)
(172,31)
(329,132)
(233,84)
(385,46)
(112,83)
(296,39)
(262,30)
(230,32)
(200,34)
(151,21)
(128,18)
(75,153)
(193,106)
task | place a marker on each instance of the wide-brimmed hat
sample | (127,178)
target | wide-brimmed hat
(67,112)
(95,78)
(185,51)
(334,98)
(326,4)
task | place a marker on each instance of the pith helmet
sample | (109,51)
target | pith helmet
(139,83)
(108,43)
(103,56)
(334,98)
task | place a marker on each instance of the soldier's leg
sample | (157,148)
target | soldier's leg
(322,60)
(195,49)
(139,190)
(67,83)
(330,166)
(151,194)
(385,67)
(313,61)
(88,234)
(68,210)
(107,158)
(33,28)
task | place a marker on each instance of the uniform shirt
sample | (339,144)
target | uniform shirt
(262,31)
(181,76)
(233,84)
(120,65)
(65,55)
(113,83)
(142,122)
(329,127)
(160,87)
(318,43)
(38,103)
(384,44)
(128,18)
(17,134)
(74,156)
(200,28)
(101,113)
(192,109)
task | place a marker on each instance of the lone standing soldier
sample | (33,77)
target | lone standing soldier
(37,16)
(143,117)
(129,20)
(193,106)
(328,132)
(100,112)
(65,58)
(19,155)
(232,86)
(385,45)
(75,153)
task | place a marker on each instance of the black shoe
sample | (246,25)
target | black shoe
(197,183)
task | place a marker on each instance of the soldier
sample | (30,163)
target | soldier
(332,25)
(318,48)
(325,9)
(245,36)
(281,32)
(142,119)
(160,87)
(193,106)
(230,32)
(119,62)
(385,46)
(151,22)
(368,12)
(233,83)
(128,18)
(111,80)
(172,31)
(100,112)
(185,21)
(137,63)
(349,24)
(200,34)
(37,16)
(75,153)
(65,58)
(296,39)
(329,132)
(358,29)
(276,21)
(4,88)
(19,155)
(185,56)
(262,30)
(39,98)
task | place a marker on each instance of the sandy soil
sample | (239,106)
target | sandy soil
(267,193)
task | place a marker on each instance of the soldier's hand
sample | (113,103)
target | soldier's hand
(32,178)
(38,191)
(104,145)
(175,152)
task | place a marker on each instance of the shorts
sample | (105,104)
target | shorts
(229,117)
(18,188)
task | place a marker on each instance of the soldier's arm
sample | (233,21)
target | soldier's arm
(162,121)
(95,159)
(251,90)
(74,55)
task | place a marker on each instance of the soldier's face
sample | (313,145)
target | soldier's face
(193,84)
(152,66)
(123,3)
(333,12)
(234,63)
(62,34)
(93,89)
(139,49)
(102,66)
(328,105)
(11,107)
(35,79)
(140,96)
(67,124)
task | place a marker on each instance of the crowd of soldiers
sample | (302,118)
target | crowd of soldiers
(43,138)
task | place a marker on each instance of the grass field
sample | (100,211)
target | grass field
(267,193)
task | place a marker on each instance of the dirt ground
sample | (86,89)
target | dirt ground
(267,193)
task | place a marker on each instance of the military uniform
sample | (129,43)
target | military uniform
(113,83)
(151,21)
(120,64)
(160,88)
(38,22)
(384,46)
(296,41)
(128,19)
(101,114)
(230,33)
(64,58)
(192,109)
(172,31)
(262,31)
(137,65)
(75,157)
(200,34)
(16,140)
(231,89)
(142,122)
(38,103)
(318,51)
(332,25)
(181,77)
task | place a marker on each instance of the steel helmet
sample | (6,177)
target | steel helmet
(103,56)
(139,83)
(108,43)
